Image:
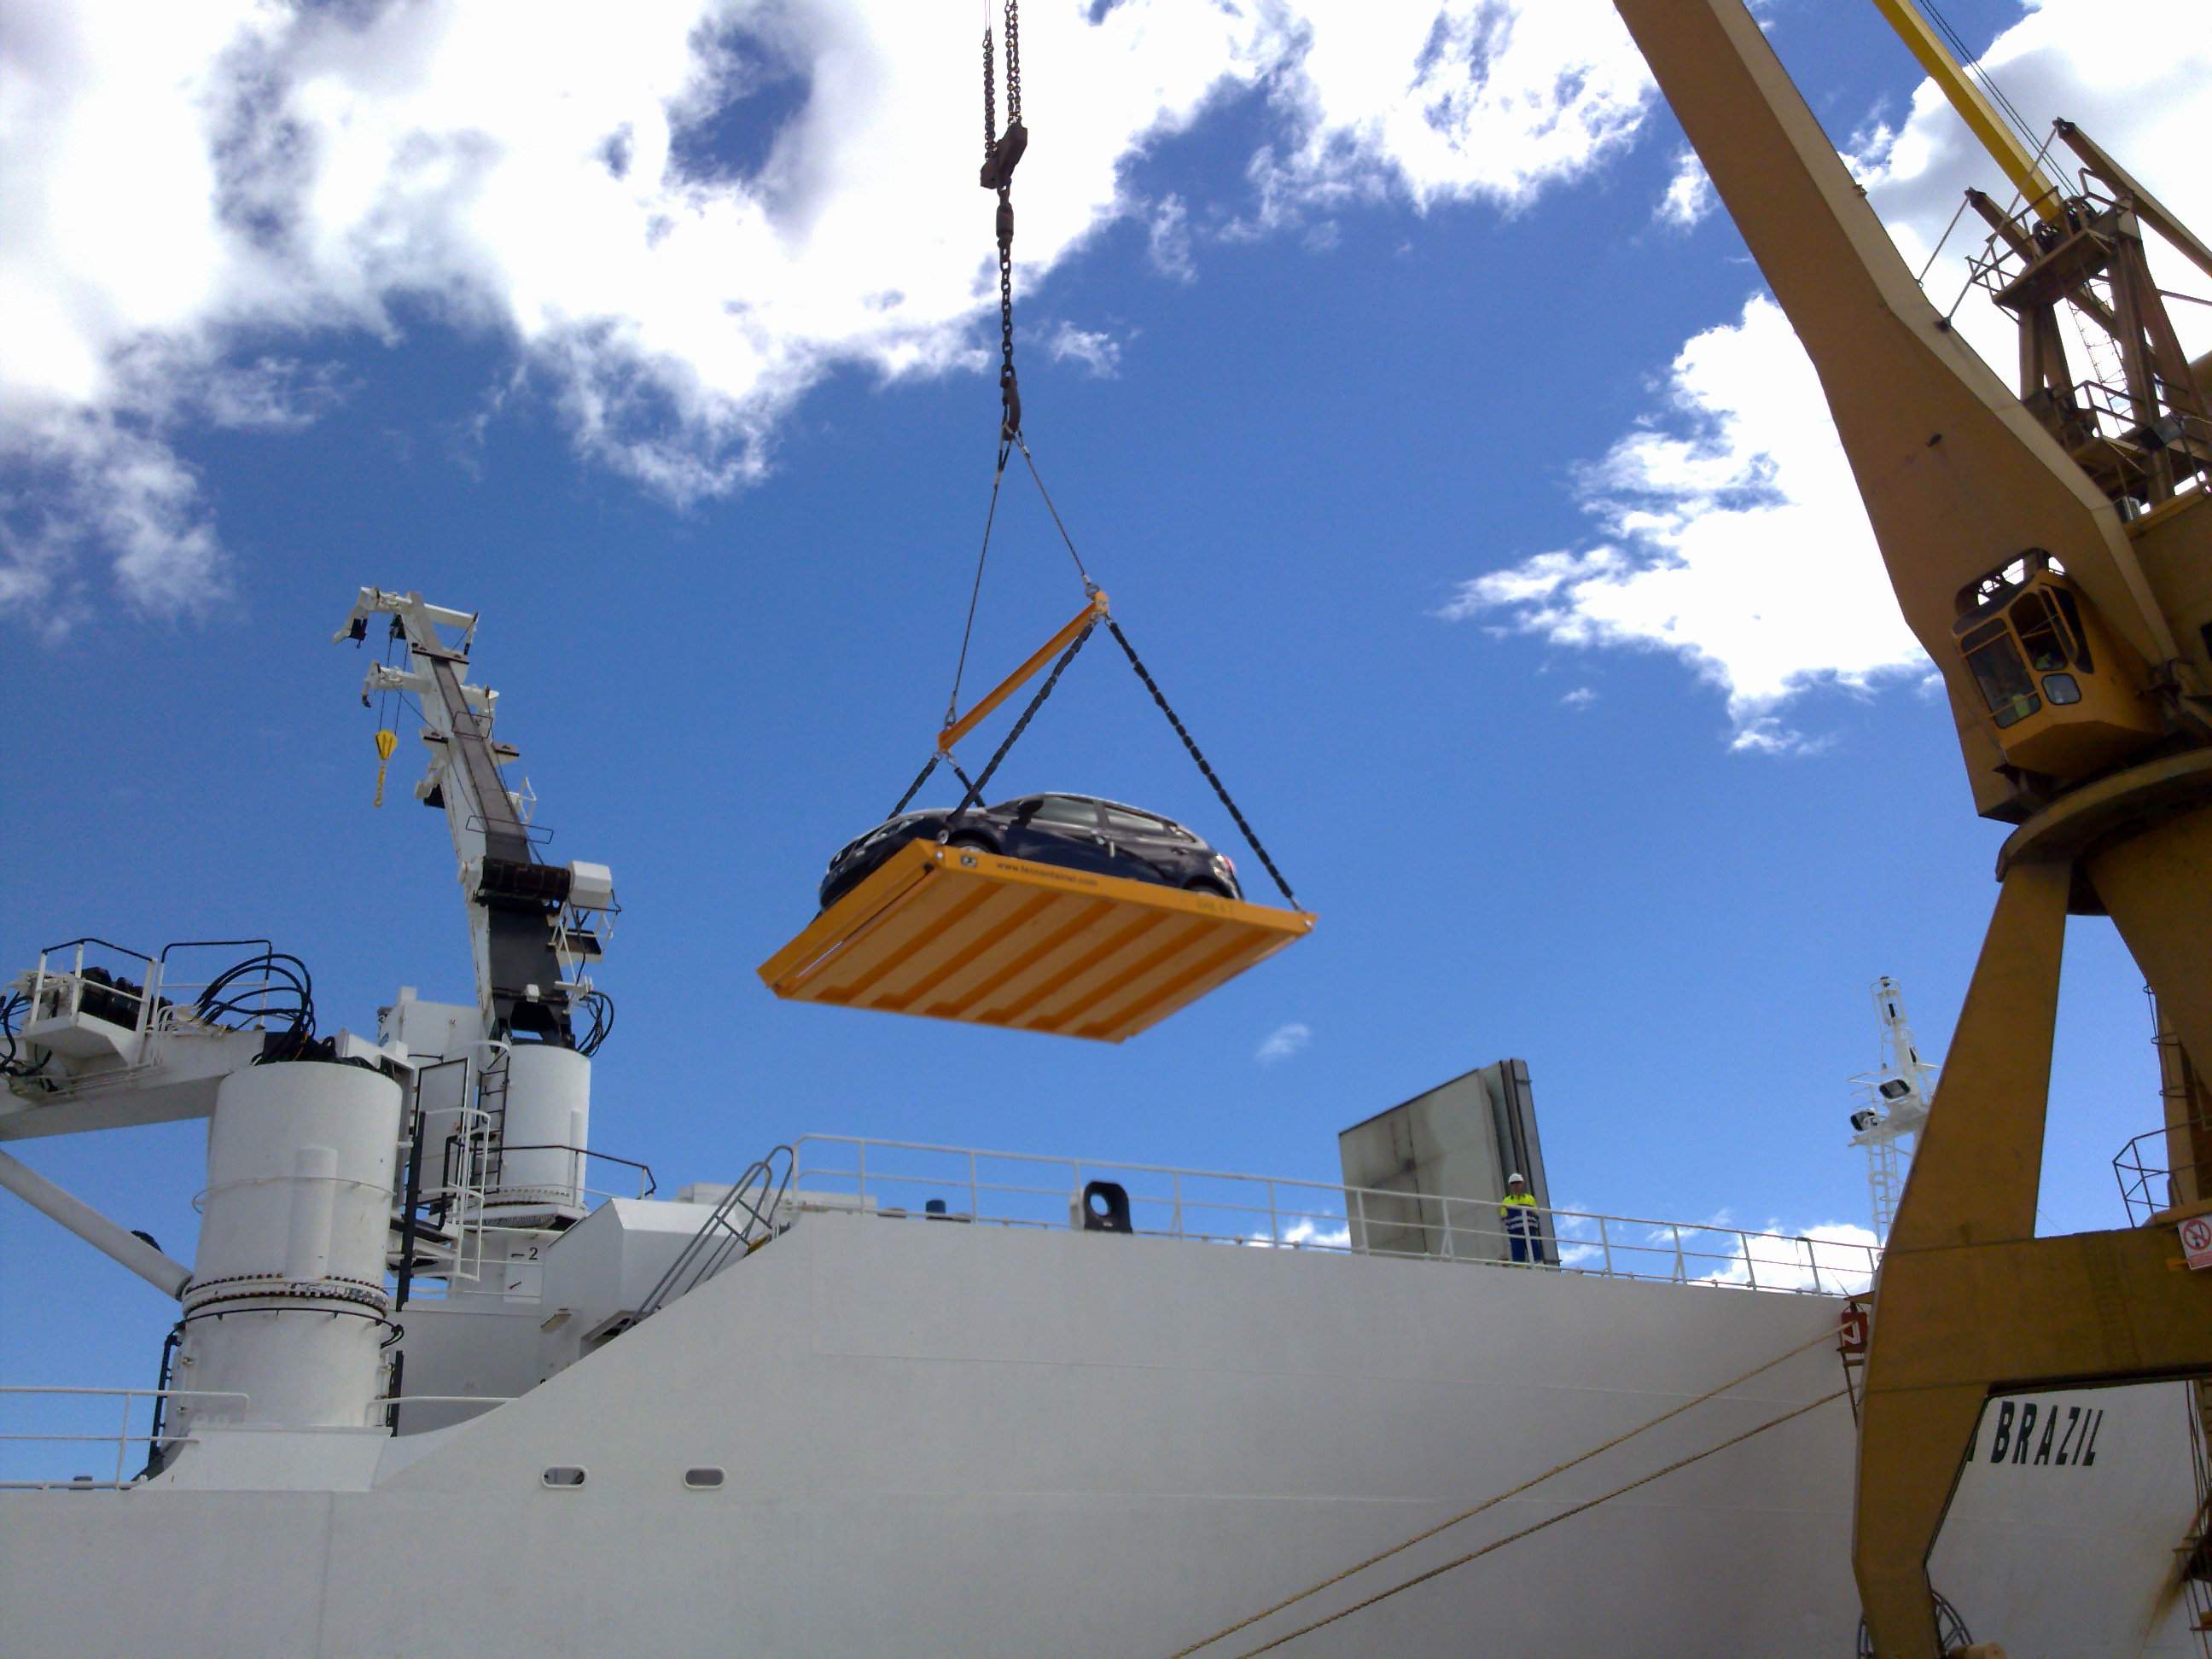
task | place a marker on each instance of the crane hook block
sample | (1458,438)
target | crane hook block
(999,168)
(385,742)
(957,933)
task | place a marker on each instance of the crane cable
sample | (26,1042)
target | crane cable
(1515,1492)
(1002,152)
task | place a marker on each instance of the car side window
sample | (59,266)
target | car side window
(1059,810)
(1126,822)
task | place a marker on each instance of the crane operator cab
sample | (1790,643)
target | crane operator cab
(2066,698)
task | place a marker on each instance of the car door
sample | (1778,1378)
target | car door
(1139,839)
(1062,829)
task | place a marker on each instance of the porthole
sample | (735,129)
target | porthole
(702,1479)
(562,1475)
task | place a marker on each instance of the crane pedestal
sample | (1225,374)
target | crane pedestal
(1971,1302)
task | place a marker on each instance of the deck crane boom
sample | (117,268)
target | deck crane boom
(529,923)
(2052,548)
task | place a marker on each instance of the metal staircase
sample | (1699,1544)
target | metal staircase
(757,1197)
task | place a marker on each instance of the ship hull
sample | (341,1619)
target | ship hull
(942,1438)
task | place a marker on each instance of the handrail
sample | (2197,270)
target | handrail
(703,1255)
(1289,1212)
(123,1437)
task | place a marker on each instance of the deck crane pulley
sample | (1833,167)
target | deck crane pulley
(956,933)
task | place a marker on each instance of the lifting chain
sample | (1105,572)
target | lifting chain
(1190,743)
(1001,152)
(975,795)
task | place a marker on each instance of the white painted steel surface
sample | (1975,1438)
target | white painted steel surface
(941,1438)
(547,1112)
(110,1239)
(287,1299)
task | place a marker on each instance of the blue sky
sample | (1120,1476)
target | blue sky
(1322,404)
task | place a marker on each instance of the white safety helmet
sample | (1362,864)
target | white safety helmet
(1516,1179)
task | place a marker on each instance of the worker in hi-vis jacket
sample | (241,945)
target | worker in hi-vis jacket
(1518,1215)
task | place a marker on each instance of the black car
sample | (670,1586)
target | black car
(1076,832)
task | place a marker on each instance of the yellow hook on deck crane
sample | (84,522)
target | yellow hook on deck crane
(385,742)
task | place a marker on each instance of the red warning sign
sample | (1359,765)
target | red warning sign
(2197,1241)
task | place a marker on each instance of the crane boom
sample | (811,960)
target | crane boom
(1996,134)
(526,920)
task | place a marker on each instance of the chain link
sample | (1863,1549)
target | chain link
(1191,743)
(1013,63)
(990,101)
(976,790)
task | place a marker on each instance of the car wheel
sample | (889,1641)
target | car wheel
(1208,884)
(966,838)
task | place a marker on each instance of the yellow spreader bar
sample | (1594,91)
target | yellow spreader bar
(1022,676)
(954,933)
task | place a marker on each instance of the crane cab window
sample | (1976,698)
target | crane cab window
(1995,662)
(2042,635)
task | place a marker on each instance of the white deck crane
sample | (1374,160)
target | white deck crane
(509,1134)
(534,928)
(1894,1103)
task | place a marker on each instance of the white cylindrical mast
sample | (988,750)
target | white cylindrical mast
(544,1131)
(287,1302)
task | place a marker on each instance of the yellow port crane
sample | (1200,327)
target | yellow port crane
(2051,546)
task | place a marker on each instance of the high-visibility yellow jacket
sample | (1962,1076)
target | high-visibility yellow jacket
(1517,1223)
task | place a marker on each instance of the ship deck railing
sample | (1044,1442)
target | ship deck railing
(122,1439)
(902,1180)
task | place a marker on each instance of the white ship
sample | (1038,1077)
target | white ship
(433,1389)
(447,1378)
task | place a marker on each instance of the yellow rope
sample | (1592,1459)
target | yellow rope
(1512,1537)
(1491,1503)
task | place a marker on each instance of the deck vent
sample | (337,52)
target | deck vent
(560,1475)
(703,1479)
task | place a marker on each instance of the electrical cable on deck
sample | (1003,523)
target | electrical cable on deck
(1491,1503)
(1548,1521)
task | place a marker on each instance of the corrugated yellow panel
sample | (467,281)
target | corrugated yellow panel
(952,932)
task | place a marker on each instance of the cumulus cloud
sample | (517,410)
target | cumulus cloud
(1168,241)
(1284,1042)
(1581,697)
(1729,529)
(1689,196)
(1733,538)
(1837,1257)
(1099,353)
(678,222)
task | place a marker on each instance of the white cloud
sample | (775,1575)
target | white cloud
(1690,195)
(1281,1043)
(1836,1257)
(1731,531)
(1168,240)
(1099,353)
(311,174)
(1471,99)
(1580,698)
(1736,538)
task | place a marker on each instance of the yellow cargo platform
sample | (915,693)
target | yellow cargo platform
(954,933)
